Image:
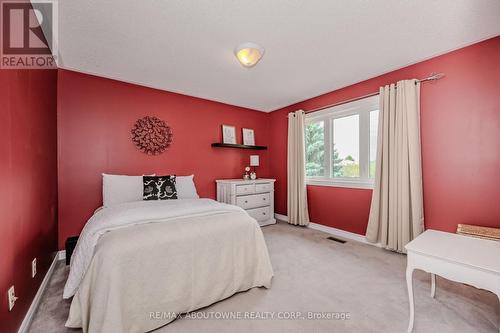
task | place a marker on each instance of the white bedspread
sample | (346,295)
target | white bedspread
(170,256)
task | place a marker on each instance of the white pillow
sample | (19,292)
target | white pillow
(185,187)
(118,189)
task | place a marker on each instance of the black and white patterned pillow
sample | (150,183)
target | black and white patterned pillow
(159,187)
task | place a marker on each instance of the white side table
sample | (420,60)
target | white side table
(455,257)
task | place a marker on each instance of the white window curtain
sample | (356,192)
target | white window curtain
(296,179)
(396,213)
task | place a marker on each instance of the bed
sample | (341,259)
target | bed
(138,264)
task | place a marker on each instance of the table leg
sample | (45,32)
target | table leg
(433,285)
(409,283)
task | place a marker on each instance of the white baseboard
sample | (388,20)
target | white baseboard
(340,233)
(36,300)
(61,255)
(333,231)
(281,217)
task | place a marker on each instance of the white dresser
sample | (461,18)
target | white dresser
(254,196)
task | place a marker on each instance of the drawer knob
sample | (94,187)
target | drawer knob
(246,201)
(264,199)
(263,213)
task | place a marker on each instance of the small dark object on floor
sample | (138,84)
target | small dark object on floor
(336,239)
(70,246)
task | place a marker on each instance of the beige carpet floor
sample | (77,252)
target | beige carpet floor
(313,274)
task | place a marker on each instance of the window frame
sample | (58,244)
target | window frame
(362,108)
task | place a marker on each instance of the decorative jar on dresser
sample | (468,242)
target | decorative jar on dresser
(254,196)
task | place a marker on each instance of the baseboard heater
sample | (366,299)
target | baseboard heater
(338,240)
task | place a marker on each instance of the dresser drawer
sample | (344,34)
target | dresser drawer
(260,214)
(245,189)
(266,187)
(253,201)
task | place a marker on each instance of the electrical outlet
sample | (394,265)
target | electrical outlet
(33,268)
(12,297)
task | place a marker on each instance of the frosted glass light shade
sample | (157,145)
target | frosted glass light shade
(254,160)
(249,54)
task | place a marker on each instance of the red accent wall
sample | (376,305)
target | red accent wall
(28,191)
(95,116)
(460,125)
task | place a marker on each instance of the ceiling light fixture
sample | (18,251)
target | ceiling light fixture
(249,54)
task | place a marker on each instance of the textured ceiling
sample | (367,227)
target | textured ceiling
(312,46)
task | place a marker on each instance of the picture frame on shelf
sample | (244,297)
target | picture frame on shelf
(228,134)
(248,137)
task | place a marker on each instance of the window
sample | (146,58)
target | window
(341,144)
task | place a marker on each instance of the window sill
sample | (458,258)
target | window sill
(361,184)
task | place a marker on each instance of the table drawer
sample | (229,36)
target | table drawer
(260,214)
(245,189)
(253,201)
(265,187)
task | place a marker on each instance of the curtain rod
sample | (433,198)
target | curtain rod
(432,77)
